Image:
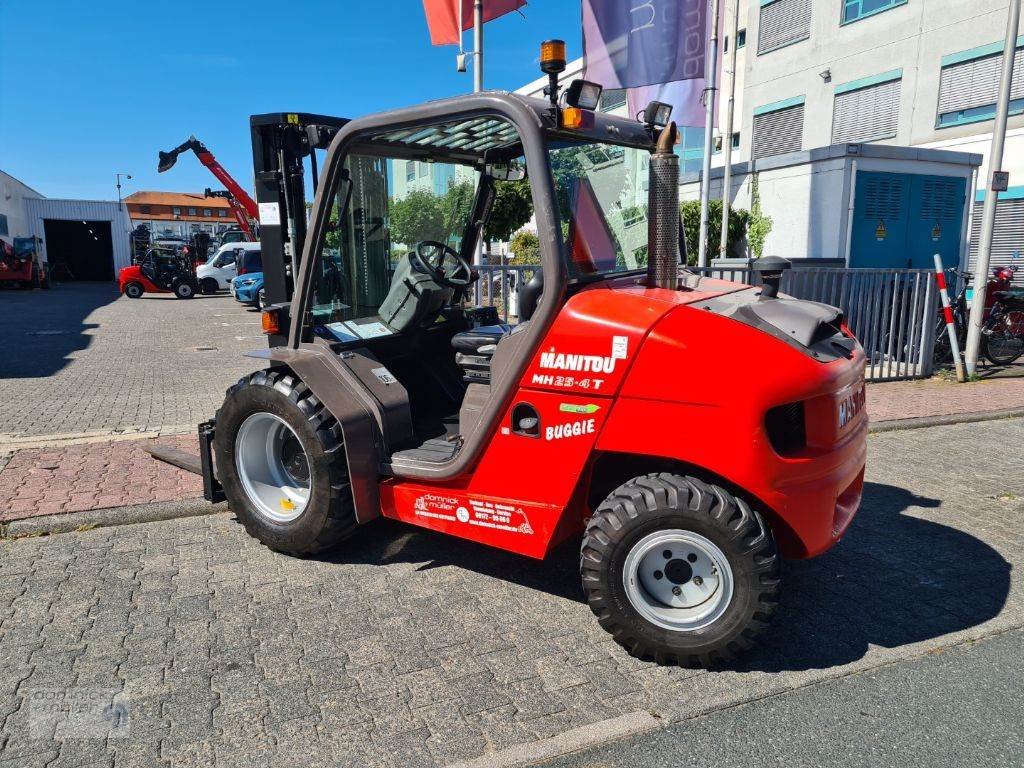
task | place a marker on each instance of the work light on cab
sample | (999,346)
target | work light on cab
(657,113)
(583,94)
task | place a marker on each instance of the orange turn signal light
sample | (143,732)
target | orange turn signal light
(572,117)
(271,322)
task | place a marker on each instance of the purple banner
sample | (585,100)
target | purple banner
(631,43)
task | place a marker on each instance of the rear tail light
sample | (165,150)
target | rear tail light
(271,322)
(787,429)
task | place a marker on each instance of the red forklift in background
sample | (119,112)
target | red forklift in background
(21,265)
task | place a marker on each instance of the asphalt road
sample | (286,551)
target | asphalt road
(960,707)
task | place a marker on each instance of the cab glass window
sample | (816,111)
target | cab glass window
(400,188)
(602,200)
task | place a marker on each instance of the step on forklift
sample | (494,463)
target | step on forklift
(689,431)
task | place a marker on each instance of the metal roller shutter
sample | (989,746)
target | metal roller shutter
(783,22)
(975,83)
(867,114)
(1007,239)
(779,132)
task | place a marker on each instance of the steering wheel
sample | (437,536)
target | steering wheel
(432,256)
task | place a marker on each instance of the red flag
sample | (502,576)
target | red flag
(443,20)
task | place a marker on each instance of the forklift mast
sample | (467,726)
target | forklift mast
(281,142)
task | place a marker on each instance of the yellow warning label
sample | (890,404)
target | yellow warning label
(287,505)
(936,232)
(880,231)
(293,119)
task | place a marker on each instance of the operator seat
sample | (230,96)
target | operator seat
(474,349)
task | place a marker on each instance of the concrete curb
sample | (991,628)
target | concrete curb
(573,740)
(103,518)
(943,420)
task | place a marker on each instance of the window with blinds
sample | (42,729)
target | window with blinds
(866,114)
(783,22)
(1007,238)
(968,90)
(778,132)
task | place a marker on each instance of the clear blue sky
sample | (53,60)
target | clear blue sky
(91,88)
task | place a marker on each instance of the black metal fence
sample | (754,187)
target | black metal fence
(893,312)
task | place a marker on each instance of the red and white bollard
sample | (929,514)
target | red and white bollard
(947,313)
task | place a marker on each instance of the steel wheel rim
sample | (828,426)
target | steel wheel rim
(133,291)
(185,289)
(685,561)
(270,459)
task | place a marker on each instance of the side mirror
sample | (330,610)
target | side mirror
(514,171)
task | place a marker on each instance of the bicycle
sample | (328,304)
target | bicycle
(1002,333)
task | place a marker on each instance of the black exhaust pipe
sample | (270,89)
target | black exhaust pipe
(663,213)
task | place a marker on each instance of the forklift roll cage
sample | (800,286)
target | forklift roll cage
(313,359)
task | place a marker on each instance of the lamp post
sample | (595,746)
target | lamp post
(988,218)
(118,176)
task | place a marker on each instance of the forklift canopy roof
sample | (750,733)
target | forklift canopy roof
(467,141)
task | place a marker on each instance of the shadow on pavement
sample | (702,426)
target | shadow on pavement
(895,579)
(43,328)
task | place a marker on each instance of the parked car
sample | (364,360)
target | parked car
(217,273)
(248,289)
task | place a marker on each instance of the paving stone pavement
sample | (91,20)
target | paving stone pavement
(406,648)
(892,400)
(81,358)
(49,481)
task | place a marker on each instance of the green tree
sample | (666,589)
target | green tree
(760,225)
(418,216)
(525,247)
(738,221)
(512,208)
(456,206)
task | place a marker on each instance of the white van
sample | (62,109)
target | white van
(217,273)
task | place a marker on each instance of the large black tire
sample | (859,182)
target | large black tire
(134,290)
(648,505)
(185,289)
(329,515)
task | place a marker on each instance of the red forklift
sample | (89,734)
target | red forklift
(687,431)
(161,270)
(21,265)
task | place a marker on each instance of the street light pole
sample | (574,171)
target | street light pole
(118,176)
(734,28)
(711,76)
(478,46)
(988,219)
